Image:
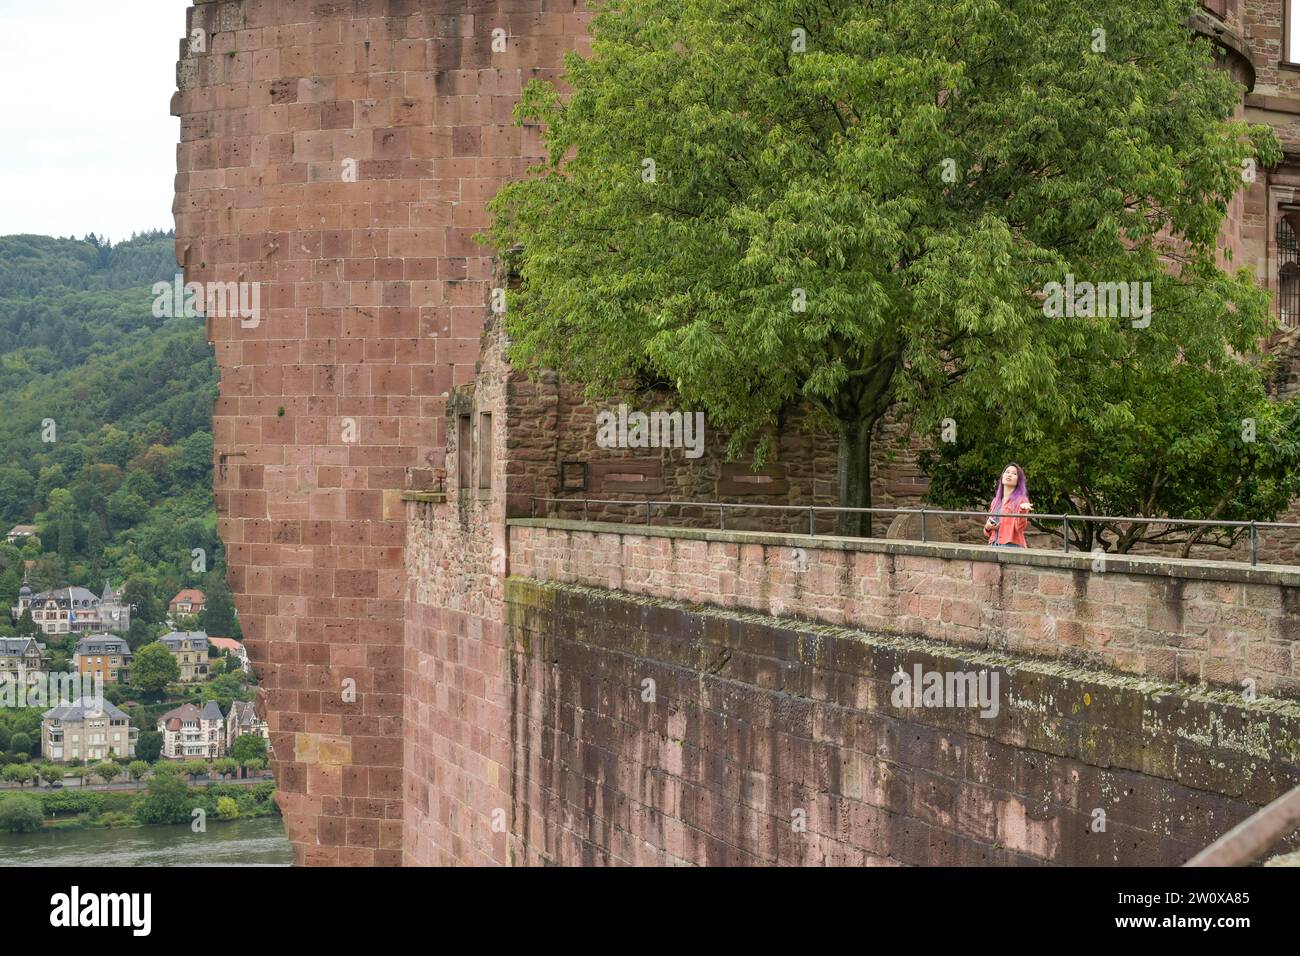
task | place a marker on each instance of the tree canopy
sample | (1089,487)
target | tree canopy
(862,206)
(106,441)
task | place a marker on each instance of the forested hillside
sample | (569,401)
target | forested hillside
(106,431)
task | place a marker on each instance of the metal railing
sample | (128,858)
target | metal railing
(1252,528)
(1253,837)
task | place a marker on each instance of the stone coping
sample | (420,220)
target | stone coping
(1274,574)
(435,497)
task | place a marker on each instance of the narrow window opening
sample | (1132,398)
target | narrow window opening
(485,451)
(464,452)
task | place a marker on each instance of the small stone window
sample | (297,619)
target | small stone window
(485,451)
(464,452)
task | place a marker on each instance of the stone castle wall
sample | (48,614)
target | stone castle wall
(1171,620)
(654,732)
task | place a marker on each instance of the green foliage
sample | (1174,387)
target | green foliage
(20,743)
(1158,432)
(124,493)
(227,808)
(107,771)
(20,814)
(168,800)
(916,177)
(148,746)
(137,768)
(226,688)
(73,802)
(31,264)
(248,747)
(19,773)
(154,668)
(218,616)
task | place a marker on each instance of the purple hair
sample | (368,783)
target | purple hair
(1020,494)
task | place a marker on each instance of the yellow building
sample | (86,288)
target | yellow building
(190,648)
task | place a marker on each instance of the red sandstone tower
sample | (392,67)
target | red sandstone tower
(340,154)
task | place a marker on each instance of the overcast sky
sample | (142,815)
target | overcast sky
(89,143)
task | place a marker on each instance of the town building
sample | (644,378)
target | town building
(193,734)
(74,610)
(243,721)
(87,729)
(104,655)
(234,648)
(187,602)
(190,648)
(22,660)
(20,533)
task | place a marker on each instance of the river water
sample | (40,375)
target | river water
(256,842)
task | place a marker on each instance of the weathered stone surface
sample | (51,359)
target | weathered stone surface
(1079,766)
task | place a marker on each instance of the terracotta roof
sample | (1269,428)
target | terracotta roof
(193,595)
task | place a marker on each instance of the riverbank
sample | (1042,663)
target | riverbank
(255,842)
(167,801)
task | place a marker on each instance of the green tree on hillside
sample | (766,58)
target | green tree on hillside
(154,668)
(26,627)
(218,616)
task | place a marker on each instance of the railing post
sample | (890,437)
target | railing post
(722,518)
(584,510)
(812,522)
(532,510)
(647,511)
(1254,545)
(923,541)
(1065,531)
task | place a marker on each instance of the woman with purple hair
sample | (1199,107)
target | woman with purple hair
(1006,525)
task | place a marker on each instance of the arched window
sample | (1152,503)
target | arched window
(1288,274)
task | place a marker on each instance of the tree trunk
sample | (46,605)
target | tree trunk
(855,477)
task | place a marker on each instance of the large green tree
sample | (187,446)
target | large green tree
(857,206)
(154,668)
(250,751)
(148,746)
(168,801)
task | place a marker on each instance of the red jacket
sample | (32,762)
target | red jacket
(1011,526)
